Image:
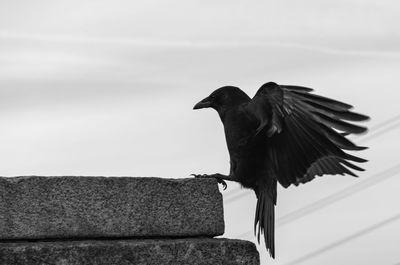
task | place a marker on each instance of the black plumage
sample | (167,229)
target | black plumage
(283,134)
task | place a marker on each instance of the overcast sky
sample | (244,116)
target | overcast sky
(107,88)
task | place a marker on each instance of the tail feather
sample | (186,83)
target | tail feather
(265,218)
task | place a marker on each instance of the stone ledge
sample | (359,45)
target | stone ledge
(191,251)
(90,207)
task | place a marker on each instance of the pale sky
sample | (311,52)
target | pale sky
(107,88)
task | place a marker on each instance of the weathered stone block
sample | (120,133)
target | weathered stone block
(92,207)
(191,251)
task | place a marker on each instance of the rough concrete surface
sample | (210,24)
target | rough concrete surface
(90,207)
(191,251)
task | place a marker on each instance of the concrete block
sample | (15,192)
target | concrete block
(96,207)
(190,251)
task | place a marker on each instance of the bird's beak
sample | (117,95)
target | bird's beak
(205,103)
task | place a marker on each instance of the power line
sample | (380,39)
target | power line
(328,200)
(376,134)
(364,139)
(234,198)
(384,123)
(347,192)
(345,240)
(232,192)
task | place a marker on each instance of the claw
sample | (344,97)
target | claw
(219,179)
(200,176)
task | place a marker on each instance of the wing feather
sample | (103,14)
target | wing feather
(339,124)
(301,130)
(346,115)
(328,102)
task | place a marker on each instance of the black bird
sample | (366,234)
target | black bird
(283,134)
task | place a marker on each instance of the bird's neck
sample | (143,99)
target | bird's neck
(223,112)
(228,111)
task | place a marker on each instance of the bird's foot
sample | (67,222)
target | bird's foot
(218,177)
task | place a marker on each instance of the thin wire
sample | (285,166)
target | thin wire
(380,125)
(232,192)
(345,240)
(347,192)
(328,200)
(234,198)
(371,136)
(364,139)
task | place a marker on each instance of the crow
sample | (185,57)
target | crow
(284,134)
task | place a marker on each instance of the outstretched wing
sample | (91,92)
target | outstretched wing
(306,133)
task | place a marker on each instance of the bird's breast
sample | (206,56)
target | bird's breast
(239,129)
(248,152)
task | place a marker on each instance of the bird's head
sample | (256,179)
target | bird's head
(223,98)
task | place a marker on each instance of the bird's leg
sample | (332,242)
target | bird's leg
(219,177)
